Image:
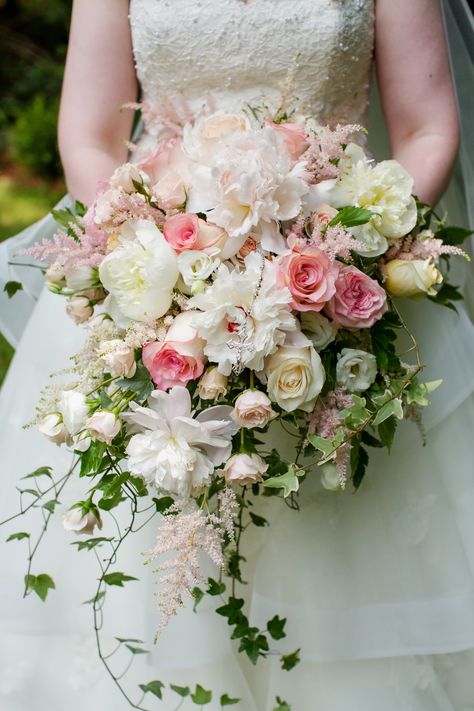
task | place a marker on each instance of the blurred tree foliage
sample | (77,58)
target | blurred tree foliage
(33,39)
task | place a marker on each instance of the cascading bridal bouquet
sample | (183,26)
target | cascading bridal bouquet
(239,276)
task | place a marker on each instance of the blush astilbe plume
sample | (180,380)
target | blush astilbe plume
(83,249)
(326,148)
(424,246)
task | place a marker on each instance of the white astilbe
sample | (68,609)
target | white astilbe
(228,508)
(185,534)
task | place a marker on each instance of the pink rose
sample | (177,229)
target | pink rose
(359,301)
(253,408)
(244,469)
(179,358)
(295,137)
(170,191)
(324,213)
(310,277)
(167,157)
(188,231)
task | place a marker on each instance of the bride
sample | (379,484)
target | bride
(378,587)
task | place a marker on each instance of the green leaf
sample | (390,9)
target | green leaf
(182,691)
(153,687)
(359,461)
(11,288)
(18,536)
(201,696)
(417,392)
(254,647)
(197,594)
(226,700)
(91,459)
(41,471)
(232,610)
(282,705)
(355,416)
(387,431)
(370,440)
(123,640)
(79,208)
(215,588)
(275,626)
(163,503)
(141,383)
(136,650)
(289,661)
(288,481)
(94,600)
(64,217)
(117,579)
(392,407)
(446,295)
(325,446)
(40,584)
(258,520)
(91,543)
(51,505)
(453,235)
(351,217)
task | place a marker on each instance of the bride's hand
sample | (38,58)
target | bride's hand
(416,91)
(99,78)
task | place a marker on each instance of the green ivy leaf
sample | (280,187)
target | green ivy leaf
(288,482)
(351,217)
(258,520)
(91,543)
(282,705)
(232,610)
(94,600)
(39,584)
(325,446)
(370,440)
(289,661)
(275,626)
(153,687)
(117,579)
(41,471)
(387,431)
(198,594)
(182,691)
(163,503)
(91,459)
(137,650)
(392,407)
(201,696)
(18,536)
(254,647)
(226,700)
(417,392)
(214,587)
(51,505)
(11,288)
(355,416)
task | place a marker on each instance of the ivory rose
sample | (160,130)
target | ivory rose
(415,277)
(53,427)
(359,301)
(212,385)
(253,408)
(170,191)
(244,469)
(179,358)
(310,277)
(188,231)
(103,425)
(118,358)
(125,175)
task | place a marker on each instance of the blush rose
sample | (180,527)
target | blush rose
(310,277)
(359,301)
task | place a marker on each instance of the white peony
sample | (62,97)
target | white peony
(140,275)
(319,329)
(374,243)
(176,451)
(384,188)
(232,314)
(356,370)
(250,180)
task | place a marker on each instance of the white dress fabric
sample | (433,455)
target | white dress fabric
(377,586)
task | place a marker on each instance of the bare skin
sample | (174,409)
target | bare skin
(412,72)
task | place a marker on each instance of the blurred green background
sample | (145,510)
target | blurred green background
(33,38)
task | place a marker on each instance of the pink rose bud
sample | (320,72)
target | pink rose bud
(310,277)
(359,301)
(82,522)
(244,469)
(324,213)
(79,309)
(295,137)
(253,408)
(55,274)
(169,191)
(103,425)
(188,231)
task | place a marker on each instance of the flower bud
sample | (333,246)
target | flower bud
(79,309)
(118,358)
(212,385)
(103,425)
(244,469)
(253,408)
(82,519)
(410,278)
(82,277)
(53,427)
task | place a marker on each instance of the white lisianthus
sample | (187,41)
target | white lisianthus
(250,180)
(74,410)
(176,451)
(415,277)
(118,358)
(195,265)
(356,370)
(103,425)
(53,427)
(384,188)
(319,329)
(233,312)
(295,375)
(140,274)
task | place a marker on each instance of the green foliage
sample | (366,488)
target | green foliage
(276,626)
(91,459)
(351,217)
(282,705)
(117,579)
(201,696)
(288,481)
(226,700)
(12,287)
(215,587)
(18,536)
(153,687)
(289,661)
(39,584)
(33,136)
(447,295)
(453,235)
(182,691)
(91,543)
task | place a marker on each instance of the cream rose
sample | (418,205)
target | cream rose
(118,358)
(356,370)
(253,408)
(415,277)
(103,425)
(79,308)
(125,175)
(212,385)
(53,427)
(295,377)
(244,469)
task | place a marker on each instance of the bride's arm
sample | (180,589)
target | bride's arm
(99,78)
(416,91)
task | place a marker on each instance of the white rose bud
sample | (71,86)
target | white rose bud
(74,410)
(53,427)
(356,370)
(253,408)
(124,176)
(81,277)
(319,329)
(170,192)
(244,469)
(212,385)
(82,522)
(330,477)
(103,425)
(118,358)
(412,277)
(79,309)
(55,274)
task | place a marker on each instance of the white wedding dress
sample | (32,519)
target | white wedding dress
(377,587)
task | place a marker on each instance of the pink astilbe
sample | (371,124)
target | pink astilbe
(333,241)
(424,246)
(89,249)
(325,421)
(126,207)
(185,534)
(326,148)
(170,114)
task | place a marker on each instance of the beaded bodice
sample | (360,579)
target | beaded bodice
(233,51)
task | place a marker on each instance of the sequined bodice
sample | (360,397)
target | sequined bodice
(235,51)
